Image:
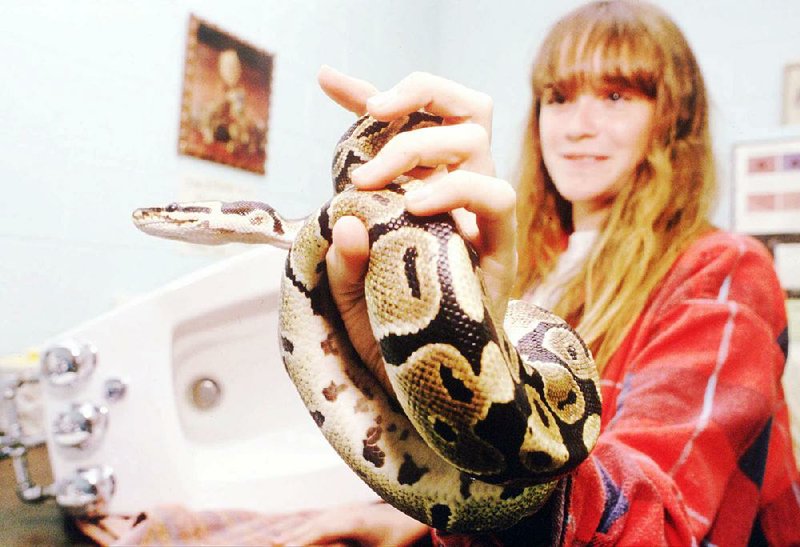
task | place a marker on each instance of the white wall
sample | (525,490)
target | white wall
(90,105)
(742,48)
(90,102)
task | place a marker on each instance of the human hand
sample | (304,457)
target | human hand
(370,525)
(455,162)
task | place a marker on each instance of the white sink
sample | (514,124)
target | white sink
(210,418)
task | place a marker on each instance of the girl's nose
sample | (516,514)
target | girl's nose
(582,117)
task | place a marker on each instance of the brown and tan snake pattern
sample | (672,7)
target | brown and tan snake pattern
(484,418)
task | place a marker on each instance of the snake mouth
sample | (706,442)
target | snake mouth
(159,221)
(143,218)
(144,215)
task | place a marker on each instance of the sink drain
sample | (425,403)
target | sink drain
(205,393)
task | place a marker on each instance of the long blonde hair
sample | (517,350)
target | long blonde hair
(666,205)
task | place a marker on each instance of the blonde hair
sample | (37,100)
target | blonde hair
(665,207)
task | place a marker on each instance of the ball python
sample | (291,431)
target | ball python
(483,420)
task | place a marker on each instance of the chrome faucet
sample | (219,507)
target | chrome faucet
(81,427)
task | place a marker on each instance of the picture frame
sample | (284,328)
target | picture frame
(791,94)
(226,97)
(766,187)
(766,201)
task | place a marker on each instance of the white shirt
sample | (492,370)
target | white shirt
(547,293)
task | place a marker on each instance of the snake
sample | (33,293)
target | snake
(483,415)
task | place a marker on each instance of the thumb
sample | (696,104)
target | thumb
(347,261)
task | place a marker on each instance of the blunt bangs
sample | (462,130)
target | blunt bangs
(600,47)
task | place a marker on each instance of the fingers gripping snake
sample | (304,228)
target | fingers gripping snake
(483,420)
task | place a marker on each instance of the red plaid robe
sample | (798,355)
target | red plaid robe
(695,446)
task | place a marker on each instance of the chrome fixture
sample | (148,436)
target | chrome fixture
(66,365)
(81,426)
(87,492)
(114,390)
(14,444)
(205,393)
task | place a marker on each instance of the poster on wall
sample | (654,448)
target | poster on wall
(767,187)
(226,92)
(766,202)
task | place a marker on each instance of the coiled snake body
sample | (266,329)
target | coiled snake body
(477,432)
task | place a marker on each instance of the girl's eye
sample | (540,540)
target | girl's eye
(554,96)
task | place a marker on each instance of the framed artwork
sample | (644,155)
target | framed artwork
(791,94)
(766,202)
(226,92)
(766,186)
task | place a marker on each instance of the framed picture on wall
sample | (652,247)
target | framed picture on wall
(766,201)
(791,94)
(766,186)
(226,92)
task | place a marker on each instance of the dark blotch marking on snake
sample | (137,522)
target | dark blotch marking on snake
(373,128)
(247,207)
(572,353)
(372,452)
(177,207)
(415,118)
(410,473)
(287,344)
(410,261)
(538,460)
(466,482)
(569,400)
(440,516)
(328,345)
(348,161)
(455,387)
(511,492)
(319,418)
(374,455)
(140,518)
(504,428)
(444,431)
(331,393)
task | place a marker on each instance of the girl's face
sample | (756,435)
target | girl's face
(592,142)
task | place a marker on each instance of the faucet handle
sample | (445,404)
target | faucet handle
(68,363)
(87,492)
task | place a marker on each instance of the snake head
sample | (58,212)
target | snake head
(217,222)
(180,221)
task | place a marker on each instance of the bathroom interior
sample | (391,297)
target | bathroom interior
(170,350)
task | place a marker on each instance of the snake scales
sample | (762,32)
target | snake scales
(478,432)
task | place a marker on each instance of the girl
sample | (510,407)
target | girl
(686,322)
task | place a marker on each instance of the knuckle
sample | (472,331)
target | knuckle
(415,80)
(400,143)
(404,147)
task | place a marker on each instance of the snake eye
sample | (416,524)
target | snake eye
(172,207)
